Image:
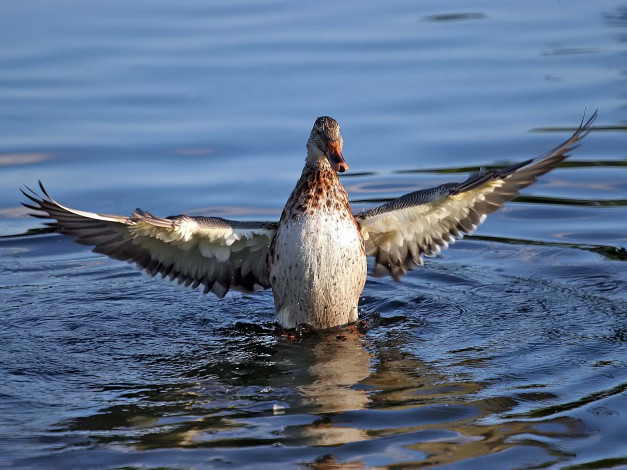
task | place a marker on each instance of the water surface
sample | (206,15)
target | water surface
(508,351)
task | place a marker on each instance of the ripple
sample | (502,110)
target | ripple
(455,17)
(12,159)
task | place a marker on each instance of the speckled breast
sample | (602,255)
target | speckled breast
(317,261)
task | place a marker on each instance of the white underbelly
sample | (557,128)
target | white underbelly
(318,271)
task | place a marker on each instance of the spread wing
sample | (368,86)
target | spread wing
(400,232)
(218,253)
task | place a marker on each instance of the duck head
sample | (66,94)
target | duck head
(325,144)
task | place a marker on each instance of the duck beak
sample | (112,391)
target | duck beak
(334,154)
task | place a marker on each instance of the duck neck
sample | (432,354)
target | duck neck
(317,184)
(318,169)
(316,161)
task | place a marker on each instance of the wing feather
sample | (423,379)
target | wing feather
(399,233)
(220,254)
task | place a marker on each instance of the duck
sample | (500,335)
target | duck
(315,258)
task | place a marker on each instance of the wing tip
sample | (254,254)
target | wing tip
(587,125)
(584,128)
(38,199)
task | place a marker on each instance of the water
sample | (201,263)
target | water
(508,351)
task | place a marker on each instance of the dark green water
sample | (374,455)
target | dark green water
(508,351)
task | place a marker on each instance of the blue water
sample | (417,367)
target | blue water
(508,351)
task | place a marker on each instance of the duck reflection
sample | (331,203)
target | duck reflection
(327,372)
(323,395)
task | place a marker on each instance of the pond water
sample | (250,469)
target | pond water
(508,351)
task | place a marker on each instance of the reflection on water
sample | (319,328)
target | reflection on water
(456,17)
(323,394)
(22,158)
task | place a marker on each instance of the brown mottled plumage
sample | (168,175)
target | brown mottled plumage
(317,260)
(314,259)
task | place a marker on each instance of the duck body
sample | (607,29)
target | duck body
(317,261)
